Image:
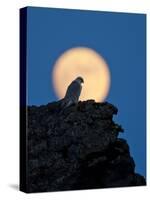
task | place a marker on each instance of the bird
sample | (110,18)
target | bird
(73,93)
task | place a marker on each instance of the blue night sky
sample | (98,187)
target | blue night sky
(119,37)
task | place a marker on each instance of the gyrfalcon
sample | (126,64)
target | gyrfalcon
(73,93)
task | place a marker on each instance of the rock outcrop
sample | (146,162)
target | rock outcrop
(78,148)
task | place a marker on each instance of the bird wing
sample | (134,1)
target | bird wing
(73,91)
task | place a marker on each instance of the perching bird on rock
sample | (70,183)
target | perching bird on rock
(73,93)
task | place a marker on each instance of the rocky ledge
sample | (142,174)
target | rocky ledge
(77,148)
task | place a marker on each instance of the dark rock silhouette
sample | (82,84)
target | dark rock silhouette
(78,148)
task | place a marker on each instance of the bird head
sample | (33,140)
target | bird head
(80,79)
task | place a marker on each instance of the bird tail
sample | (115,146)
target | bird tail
(64,103)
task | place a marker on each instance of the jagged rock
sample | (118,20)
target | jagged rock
(78,148)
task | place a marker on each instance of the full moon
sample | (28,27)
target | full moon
(87,63)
